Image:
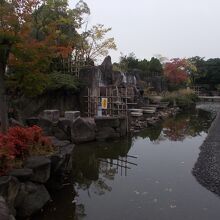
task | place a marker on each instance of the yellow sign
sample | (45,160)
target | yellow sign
(104,103)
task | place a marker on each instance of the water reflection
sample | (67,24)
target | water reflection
(189,124)
(93,163)
(134,179)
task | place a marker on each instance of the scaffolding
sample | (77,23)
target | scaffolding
(119,99)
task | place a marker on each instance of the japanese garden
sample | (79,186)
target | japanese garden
(84,135)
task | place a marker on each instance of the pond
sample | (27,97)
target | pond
(145,177)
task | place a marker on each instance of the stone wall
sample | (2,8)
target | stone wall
(63,101)
(25,190)
(78,129)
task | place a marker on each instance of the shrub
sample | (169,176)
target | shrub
(183,98)
(19,143)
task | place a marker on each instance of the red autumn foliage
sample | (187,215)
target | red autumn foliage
(176,71)
(17,142)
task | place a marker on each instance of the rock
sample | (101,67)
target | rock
(83,130)
(14,123)
(22,174)
(60,160)
(41,168)
(11,217)
(67,150)
(72,115)
(106,133)
(106,69)
(107,64)
(59,143)
(31,198)
(59,133)
(107,122)
(65,125)
(4,211)
(61,163)
(52,115)
(46,125)
(32,121)
(9,187)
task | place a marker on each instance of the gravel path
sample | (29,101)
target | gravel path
(207,167)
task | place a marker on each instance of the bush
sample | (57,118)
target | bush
(184,98)
(19,143)
(58,80)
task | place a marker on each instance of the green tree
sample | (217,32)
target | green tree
(32,34)
(14,17)
(155,66)
(128,62)
(143,65)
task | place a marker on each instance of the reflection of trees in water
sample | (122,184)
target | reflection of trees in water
(91,166)
(153,132)
(187,125)
(177,128)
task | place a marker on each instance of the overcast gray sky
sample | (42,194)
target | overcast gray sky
(172,28)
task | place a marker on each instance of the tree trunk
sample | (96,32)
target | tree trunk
(4,54)
(3,102)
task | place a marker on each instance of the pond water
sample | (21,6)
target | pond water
(145,177)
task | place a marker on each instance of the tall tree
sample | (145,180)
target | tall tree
(32,34)
(155,66)
(14,19)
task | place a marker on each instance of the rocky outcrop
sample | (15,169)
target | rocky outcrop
(106,69)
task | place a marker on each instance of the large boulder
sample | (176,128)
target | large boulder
(31,198)
(52,115)
(65,124)
(60,133)
(107,122)
(110,127)
(106,133)
(9,187)
(41,168)
(83,130)
(72,115)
